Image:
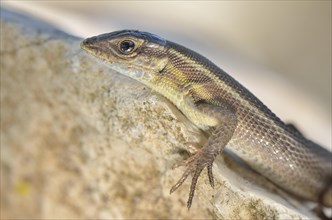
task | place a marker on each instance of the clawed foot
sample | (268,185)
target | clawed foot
(195,164)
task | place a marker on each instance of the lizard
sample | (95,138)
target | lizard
(222,108)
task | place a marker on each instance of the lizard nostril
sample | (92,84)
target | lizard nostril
(88,43)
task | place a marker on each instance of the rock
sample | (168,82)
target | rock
(80,141)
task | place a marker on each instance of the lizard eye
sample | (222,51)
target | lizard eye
(127,46)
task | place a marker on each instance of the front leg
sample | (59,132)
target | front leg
(204,157)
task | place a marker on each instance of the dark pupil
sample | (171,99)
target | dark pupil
(127,46)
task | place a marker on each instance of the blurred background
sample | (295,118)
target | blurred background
(280,50)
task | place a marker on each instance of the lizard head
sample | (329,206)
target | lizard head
(139,55)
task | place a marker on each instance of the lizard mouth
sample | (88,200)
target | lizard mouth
(91,48)
(97,48)
(88,46)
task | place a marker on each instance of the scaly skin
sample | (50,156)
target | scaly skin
(221,107)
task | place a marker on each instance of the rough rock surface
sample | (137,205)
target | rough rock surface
(80,141)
